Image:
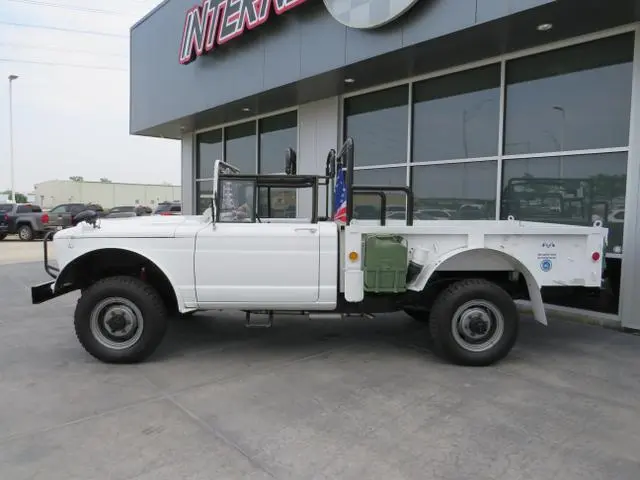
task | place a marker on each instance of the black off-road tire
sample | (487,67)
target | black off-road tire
(449,340)
(25,233)
(3,236)
(145,299)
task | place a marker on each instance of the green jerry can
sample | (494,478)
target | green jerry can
(385,263)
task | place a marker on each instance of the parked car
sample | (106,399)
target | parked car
(168,208)
(128,211)
(61,216)
(24,219)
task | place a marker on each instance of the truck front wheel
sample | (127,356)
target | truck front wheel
(474,322)
(120,320)
(25,233)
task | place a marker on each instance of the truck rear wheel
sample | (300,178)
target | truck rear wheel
(474,322)
(120,320)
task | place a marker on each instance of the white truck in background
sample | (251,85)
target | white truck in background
(460,276)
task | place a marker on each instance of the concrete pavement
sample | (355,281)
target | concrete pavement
(14,251)
(310,400)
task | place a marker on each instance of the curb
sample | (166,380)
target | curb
(584,317)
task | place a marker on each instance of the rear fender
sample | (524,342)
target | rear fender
(532,284)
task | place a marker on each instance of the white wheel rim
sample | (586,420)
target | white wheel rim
(116,323)
(477,326)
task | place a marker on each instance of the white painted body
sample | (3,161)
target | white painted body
(293,264)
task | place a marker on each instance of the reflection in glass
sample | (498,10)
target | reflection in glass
(367,207)
(237,201)
(204,195)
(209,150)
(455,191)
(378,123)
(276,135)
(576,190)
(240,146)
(457,116)
(570,99)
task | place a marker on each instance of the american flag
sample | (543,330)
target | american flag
(340,198)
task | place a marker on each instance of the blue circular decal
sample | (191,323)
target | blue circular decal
(545,265)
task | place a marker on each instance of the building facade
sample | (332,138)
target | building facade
(486,108)
(108,194)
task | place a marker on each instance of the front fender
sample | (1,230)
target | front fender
(63,284)
(533,286)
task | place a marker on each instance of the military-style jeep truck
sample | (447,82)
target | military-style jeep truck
(459,276)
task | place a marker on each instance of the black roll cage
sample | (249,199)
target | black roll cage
(341,160)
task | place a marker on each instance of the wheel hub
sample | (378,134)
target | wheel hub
(119,321)
(116,323)
(475,322)
(477,325)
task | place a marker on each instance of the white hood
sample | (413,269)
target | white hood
(154,226)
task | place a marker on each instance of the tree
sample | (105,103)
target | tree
(21,198)
(76,178)
(105,180)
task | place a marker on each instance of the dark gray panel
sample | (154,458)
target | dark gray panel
(492,9)
(434,18)
(282,53)
(322,41)
(305,54)
(362,44)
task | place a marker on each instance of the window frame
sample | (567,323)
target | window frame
(503,59)
(256,120)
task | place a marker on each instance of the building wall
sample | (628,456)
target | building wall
(480,125)
(304,42)
(54,192)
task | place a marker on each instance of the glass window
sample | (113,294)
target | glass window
(574,190)
(204,196)
(378,123)
(277,133)
(456,191)
(237,201)
(59,209)
(209,150)
(457,116)
(366,206)
(570,99)
(240,146)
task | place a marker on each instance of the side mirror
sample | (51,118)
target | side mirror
(89,216)
(290,161)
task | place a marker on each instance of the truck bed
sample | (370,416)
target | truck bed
(547,254)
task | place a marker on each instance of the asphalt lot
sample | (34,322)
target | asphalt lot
(358,399)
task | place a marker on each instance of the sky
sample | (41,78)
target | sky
(70,119)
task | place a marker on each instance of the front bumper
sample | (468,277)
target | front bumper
(42,293)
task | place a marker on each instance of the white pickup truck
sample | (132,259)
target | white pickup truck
(459,276)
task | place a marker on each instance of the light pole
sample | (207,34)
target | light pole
(13,190)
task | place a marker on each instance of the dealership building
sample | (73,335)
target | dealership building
(487,108)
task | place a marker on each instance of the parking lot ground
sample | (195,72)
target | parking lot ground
(355,399)
(12,251)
